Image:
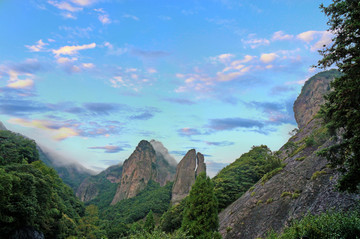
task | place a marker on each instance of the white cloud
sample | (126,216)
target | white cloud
(21,84)
(38,47)
(65,6)
(151,70)
(104,19)
(88,65)
(83,3)
(268,57)
(68,15)
(55,131)
(323,38)
(70,50)
(65,60)
(307,36)
(131,17)
(223,58)
(256,42)
(280,35)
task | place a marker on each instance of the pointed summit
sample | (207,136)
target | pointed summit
(143,165)
(189,167)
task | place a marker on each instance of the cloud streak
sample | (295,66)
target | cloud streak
(71,50)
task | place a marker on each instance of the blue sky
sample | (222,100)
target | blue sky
(89,79)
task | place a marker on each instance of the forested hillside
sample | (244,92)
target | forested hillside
(33,198)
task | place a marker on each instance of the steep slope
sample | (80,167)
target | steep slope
(72,174)
(143,165)
(33,199)
(304,185)
(100,189)
(312,96)
(186,171)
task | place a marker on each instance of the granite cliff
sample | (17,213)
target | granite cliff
(186,171)
(144,164)
(304,185)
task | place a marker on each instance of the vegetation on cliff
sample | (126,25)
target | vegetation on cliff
(238,177)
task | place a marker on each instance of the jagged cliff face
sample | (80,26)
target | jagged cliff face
(143,165)
(189,167)
(312,94)
(304,185)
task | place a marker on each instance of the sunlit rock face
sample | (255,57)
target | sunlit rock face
(143,165)
(189,167)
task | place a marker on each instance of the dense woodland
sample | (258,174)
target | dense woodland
(35,200)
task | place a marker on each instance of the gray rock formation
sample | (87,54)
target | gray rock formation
(305,185)
(186,171)
(312,94)
(144,164)
(200,161)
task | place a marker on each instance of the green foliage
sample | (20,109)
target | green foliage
(270,200)
(157,234)
(235,179)
(149,225)
(32,194)
(89,225)
(317,174)
(153,197)
(330,225)
(252,194)
(310,141)
(201,214)
(300,159)
(285,194)
(171,220)
(341,112)
(271,174)
(15,148)
(106,189)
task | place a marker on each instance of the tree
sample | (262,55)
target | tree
(341,112)
(149,225)
(201,214)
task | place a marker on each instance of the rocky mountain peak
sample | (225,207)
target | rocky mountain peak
(143,165)
(186,171)
(311,97)
(304,185)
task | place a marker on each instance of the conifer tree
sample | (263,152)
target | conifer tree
(149,225)
(201,214)
(341,112)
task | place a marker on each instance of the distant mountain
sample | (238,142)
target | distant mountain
(2,126)
(304,185)
(72,174)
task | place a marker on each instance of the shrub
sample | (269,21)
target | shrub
(317,174)
(334,225)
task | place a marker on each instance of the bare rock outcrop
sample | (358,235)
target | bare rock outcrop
(143,165)
(186,171)
(312,94)
(305,185)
